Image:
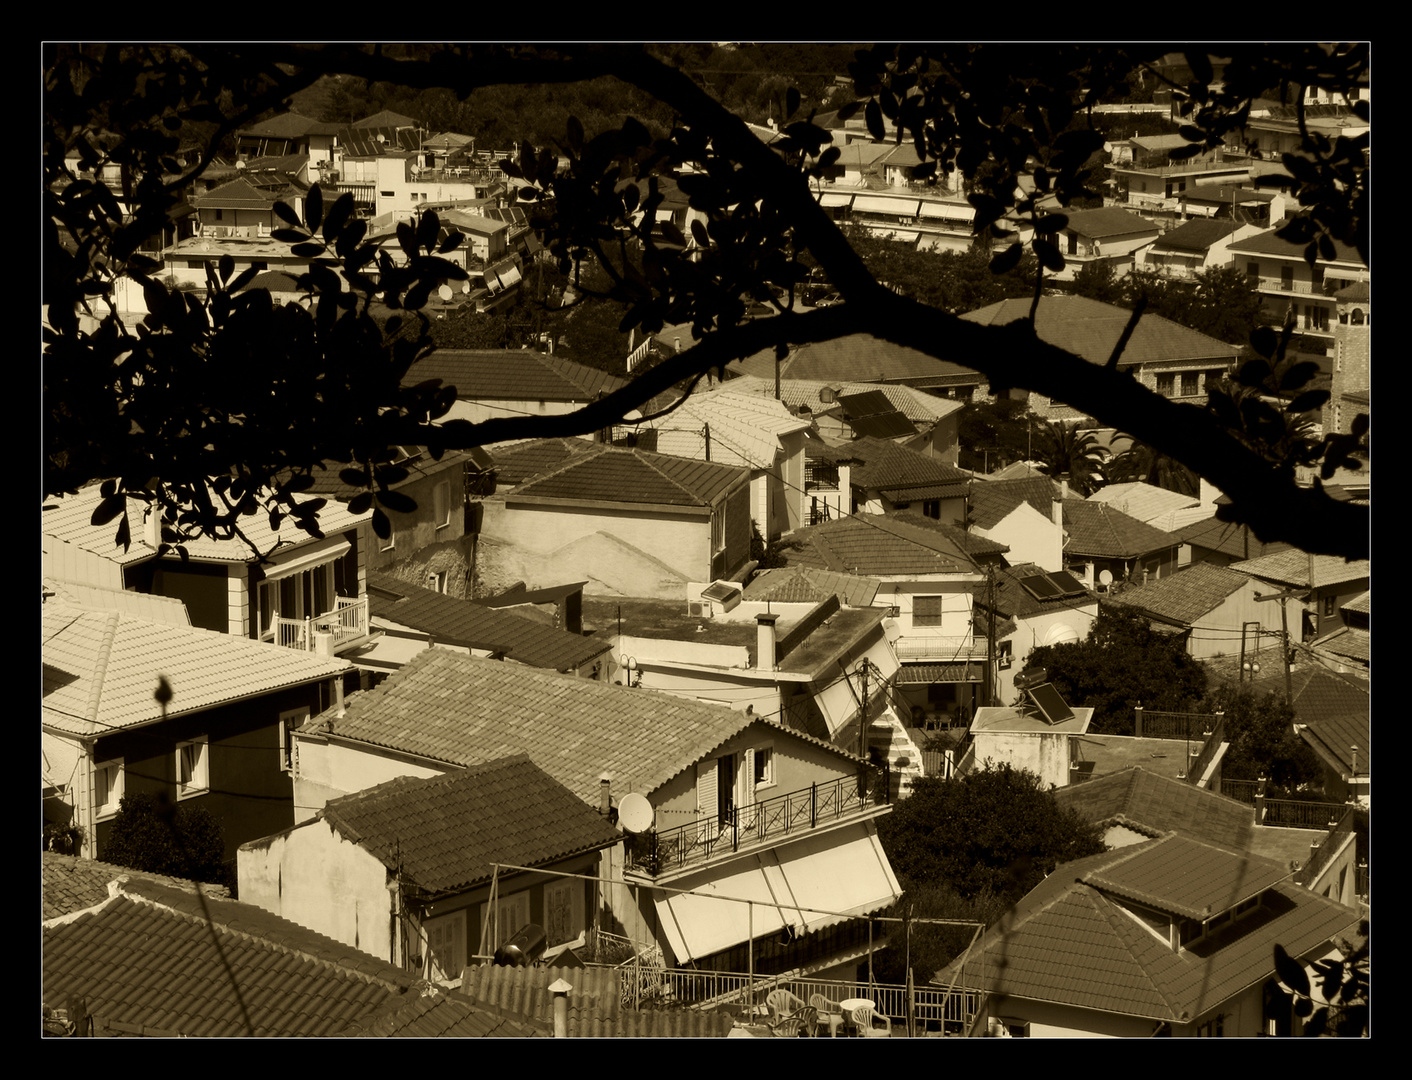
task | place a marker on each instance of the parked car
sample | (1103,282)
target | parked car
(829,300)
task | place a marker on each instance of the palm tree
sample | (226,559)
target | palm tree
(1072,455)
(1147,465)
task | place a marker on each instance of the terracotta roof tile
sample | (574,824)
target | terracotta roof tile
(1298,568)
(889,466)
(994,500)
(443,832)
(1101,531)
(806,585)
(636,476)
(512,375)
(1187,595)
(72,884)
(1227,538)
(1146,502)
(876,545)
(1161,804)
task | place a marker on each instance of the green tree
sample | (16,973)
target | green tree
(150,833)
(1122,663)
(993,434)
(993,833)
(154,413)
(1142,464)
(1096,281)
(1263,740)
(1071,455)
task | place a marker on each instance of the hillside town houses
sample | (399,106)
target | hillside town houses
(598,739)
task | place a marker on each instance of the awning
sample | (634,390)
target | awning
(902,236)
(834,874)
(949,211)
(306,558)
(926,674)
(835,198)
(509,276)
(883,204)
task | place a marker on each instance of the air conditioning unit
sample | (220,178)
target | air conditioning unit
(698,610)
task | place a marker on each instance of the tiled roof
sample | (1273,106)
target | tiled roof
(1090,329)
(470,625)
(745,429)
(238,194)
(385,119)
(1069,941)
(595,1007)
(918,406)
(1226,537)
(1298,568)
(1146,502)
(878,546)
(1335,738)
(1359,603)
(1267,243)
(443,832)
(1187,595)
(101,668)
(427,1012)
(71,523)
(288,125)
(73,884)
(802,584)
(1359,290)
(635,476)
(512,375)
(162,609)
(150,956)
(852,358)
(1103,532)
(419,464)
(1108,221)
(972,544)
(466,711)
(1347,641)
(889,467)
(995,500)
(1319,695)
(1196,235)
(1156,804)
(1015,601)
(514,464)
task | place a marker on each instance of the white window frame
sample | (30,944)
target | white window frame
(445,946)
(102,811)
(764,766)
(288,752)
(514,915)
(441,504)
(718,531)
(200,782)
(563,898)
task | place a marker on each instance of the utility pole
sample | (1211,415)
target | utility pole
(863,716)
(990,671)
(1284,596)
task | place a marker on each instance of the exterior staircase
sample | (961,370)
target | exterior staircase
(888,737)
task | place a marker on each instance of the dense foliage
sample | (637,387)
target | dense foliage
(183,840)
(1122,663)
(1263,740)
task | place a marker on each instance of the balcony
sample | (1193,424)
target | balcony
(852,798)
(334,630)
(940,649)
(1288,285)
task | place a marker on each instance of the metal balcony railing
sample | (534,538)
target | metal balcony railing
(915,646)
(654,853)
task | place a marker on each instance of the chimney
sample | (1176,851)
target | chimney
(605,794)
(765,642)
(338,697)
(152,525)
(560,989)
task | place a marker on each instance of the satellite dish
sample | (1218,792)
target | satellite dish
(635,813)
(465,286)
(444,292)
(1105,577)
(892,629)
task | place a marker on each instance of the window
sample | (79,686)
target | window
(1328,607)
(926,610)
(1287,278)
(512,913)
(563,910)
(1252,272)
(1189,383)
(288,721)
(437,582)
(446,945)
(296,596)
(107,788)
(1005,654)
(764,766)
(1166,384)
(191,768)
(441,502)
(718,531)
(1316,317)
(220,214)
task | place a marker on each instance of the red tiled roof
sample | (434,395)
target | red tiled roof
(994,500)
(889,466)
(1225,537)
(1319,695)
(1108,221)
(470,625)
(1185,596)
(615,474)
(806,585)
(971,543)
(516,464)
(1091,330)
(878,546)
(1299,568)
(427,1012)
(849,359)
(72,884)
(1335,738)
(1268,243)
(1158,804)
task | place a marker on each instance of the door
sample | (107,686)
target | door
(725,790)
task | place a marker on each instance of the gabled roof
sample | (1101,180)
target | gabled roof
(465,711)
(1144,501)
(972,544)
(1014,601)
(288,125)
(852,358)
(995,500)
(917,405)
(152,956)
(744,429)
(1070,941)
(71,522)
(1153,804)
(73,884)
(1226,537)
(878,546)
(894,469)
(426,1012)
(807,585)
(514,464)
(101,668)
(160,609)
(1351,642)
(1360,602)
(1197,235)
(237,194)
(1103,532)
(443,832)
(464,623)
(512,375)
(1108,221)
(1334,740)
(1268,243)
(1091,330)
(1187,595)
(385,119)
(416,460)
(1319,695)
(615,474)
(1302,570)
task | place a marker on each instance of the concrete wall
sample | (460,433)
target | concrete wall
(1031,632)
(1046,754)
(326,770)
(1033,538)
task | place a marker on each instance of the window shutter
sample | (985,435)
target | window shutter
(706,796)
(746,787)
